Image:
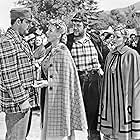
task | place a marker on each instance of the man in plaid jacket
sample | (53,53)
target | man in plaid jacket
(87,56)
(17,95)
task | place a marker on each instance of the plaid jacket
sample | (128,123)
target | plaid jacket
(16,72)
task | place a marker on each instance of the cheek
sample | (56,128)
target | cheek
(78,31)
(21,30)
(119,41)
(51,37)
(24,28)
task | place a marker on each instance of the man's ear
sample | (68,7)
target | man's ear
(18,21)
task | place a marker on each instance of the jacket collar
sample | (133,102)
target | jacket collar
(120,49)
(11,33)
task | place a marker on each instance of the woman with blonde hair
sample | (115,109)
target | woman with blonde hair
(119,115)
(62,107)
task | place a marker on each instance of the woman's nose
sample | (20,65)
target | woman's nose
(47,32)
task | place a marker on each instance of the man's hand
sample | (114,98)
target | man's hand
(36,64)
(101,72)
(40,84)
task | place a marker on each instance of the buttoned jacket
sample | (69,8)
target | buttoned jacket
(16,72)
(63,98)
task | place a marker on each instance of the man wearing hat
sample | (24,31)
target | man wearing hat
(85,53)
(16,92)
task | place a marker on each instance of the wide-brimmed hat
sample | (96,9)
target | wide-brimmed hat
(22,13)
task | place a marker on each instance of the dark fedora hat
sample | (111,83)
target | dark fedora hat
(22,13)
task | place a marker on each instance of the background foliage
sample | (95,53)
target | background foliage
(44,10)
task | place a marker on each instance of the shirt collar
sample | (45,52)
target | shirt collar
(83,39)
(54,49)
(120,49)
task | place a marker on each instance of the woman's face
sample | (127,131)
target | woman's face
(38,41)
(52,33)
(118,40)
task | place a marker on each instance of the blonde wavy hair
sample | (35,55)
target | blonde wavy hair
(61,27)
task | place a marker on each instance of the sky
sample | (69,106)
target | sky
(112,4)
(6,5)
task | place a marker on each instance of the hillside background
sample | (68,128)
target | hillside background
(128,16)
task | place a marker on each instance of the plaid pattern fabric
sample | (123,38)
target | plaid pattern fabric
(64,105)
(16,72)
(85,54)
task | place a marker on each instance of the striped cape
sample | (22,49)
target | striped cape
(119,114)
